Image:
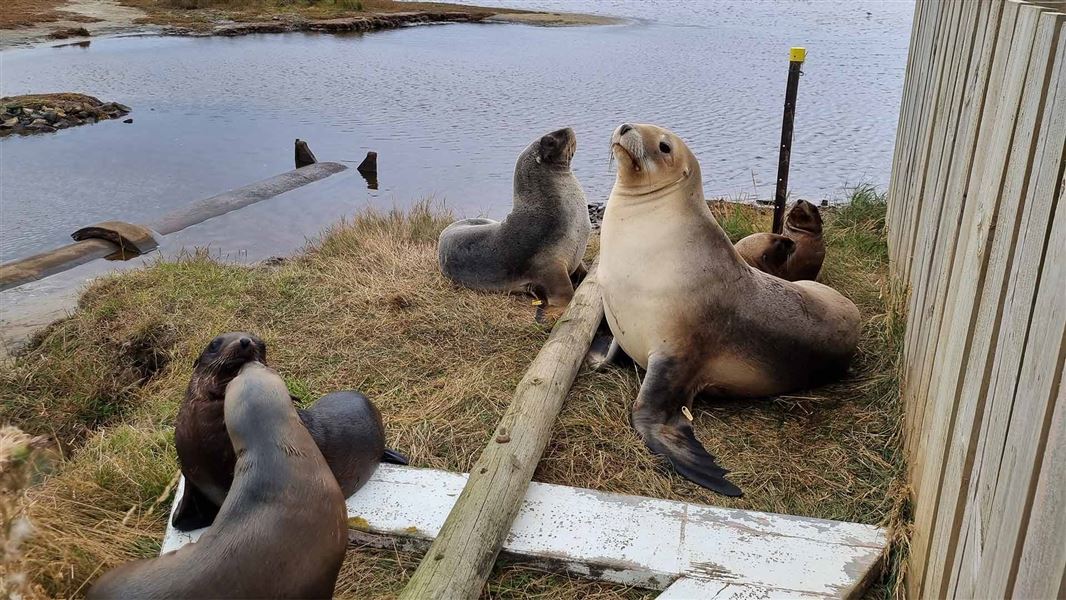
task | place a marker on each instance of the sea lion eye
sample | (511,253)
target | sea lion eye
(214,345)
(664,147)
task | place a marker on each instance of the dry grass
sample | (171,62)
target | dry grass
(366,308)
(23,13)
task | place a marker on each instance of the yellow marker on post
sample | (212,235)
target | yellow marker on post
(797,54)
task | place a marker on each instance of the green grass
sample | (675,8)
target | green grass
(365,307)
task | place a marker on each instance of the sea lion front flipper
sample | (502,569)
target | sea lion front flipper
(195,510)
(604,352)
(393,457)
(659,420)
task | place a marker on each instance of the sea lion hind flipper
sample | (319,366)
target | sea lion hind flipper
(393,457)
(195,510)
(658,418)
(678,443)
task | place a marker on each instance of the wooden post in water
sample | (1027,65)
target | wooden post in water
(304,156)
(795,63)
(461,558)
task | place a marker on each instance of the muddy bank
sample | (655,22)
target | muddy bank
(82,19)
(379,22)
(45,113)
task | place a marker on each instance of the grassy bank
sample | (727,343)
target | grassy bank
(365,307)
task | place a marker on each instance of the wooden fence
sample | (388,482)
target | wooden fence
(978,239)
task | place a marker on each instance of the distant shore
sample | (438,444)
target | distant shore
(32,21)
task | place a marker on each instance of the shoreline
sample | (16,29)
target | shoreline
(90,19)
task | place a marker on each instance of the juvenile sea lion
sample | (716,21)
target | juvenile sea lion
(804,226)
(346,426)
(767,252)
(282,529)
(795,255)
(540,245)
(684,305)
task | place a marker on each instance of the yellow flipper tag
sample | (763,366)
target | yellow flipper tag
(797,54)
(538,302)
(688,413)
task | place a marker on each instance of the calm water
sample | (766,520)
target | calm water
(448,108)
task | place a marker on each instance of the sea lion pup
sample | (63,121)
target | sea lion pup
(282,529)
(800,259)
(346,426)
(804,226)
(767,252)
(540,245)
(684,305)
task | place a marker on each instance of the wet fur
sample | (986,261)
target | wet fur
(346,426)
(682,303)
(282,530)
(539,246)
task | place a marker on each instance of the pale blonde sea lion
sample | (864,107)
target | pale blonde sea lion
(684,305)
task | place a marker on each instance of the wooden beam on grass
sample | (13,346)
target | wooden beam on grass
(461,558)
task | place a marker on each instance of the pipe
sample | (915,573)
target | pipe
(39,266)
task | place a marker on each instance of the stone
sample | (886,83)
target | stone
(128,121)
(122,107)
(50,116)
(9,123)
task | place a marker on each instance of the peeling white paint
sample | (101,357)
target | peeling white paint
(633,540)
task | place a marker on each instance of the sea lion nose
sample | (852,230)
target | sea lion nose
(245,342)
(625,128)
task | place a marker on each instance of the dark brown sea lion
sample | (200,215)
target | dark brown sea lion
(346,426)
(683,304)
(795,255)
(281,531)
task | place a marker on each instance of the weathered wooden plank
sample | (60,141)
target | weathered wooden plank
(1044,552)
(633,540)
(688,588)
(1018,278)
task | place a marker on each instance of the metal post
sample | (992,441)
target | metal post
(795,63)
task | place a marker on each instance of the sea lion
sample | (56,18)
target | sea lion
(346,426)
(540,245)
(767,252)
(282,530)
(804,226)
(795,261)
(684,305)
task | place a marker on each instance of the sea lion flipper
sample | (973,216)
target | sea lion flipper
(660,422)
(195,510)
(605,352)
(393,457)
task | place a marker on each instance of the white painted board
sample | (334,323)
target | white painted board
(644,542)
